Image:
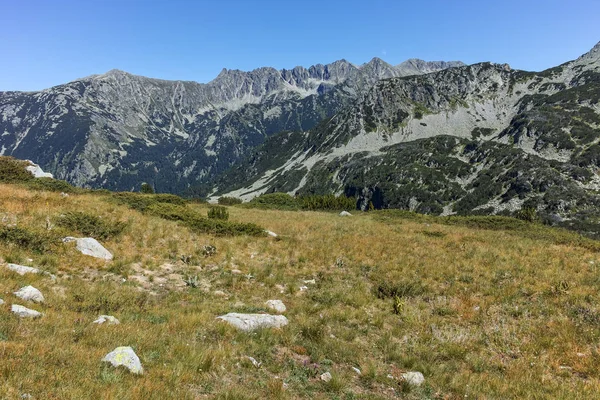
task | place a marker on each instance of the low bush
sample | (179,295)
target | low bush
(229,201)
(218,213)
(13,170)
(385,288)
(91,225)
(37,241)
(275,201)
(52,185)
(141,202)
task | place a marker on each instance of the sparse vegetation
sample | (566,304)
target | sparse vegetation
(467,301)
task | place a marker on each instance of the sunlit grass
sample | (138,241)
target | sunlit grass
(481,313)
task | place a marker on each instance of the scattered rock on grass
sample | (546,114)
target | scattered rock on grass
(326,377)
(250,322)
(1,302)
(356,370)
(254,362)
(22,269)
(273,234)
(276,305)
(126,357)
(108,319)
(413,378)
(345,214)
(90,247)
(29,293)
(25,312)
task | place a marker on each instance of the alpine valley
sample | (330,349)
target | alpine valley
(432,137)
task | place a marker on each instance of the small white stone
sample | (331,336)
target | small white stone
(236,271)
(219,293)
(326,377)
(90,247)
(109,319)
(22,269)
(345,214)
(29,293)
(126,357)
(25,312)
(356,370)
(254,362)
(1,302)
(303,288)
(251,322)
(273,234)
(310,281)
(276,305)
(413,378)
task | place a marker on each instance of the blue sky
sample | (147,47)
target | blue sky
(48,42)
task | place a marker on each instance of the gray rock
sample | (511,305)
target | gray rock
(25,312)
(250,322)
(345,214)
(126,357)
(356,370)
(1,302)
(108,319)
(271,233)
(37,171)
(413,378)
(29,293)
(22,269)
(276,305)
(326,377)
(90,247)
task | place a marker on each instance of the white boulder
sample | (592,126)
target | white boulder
(29,293)
(413,378)
(90,247)
(22,269)
(276,305)
(345,214)
(37,171)
(108,319)
(250,322)
(271,233)
(126,357)
(326,377)
(25,312)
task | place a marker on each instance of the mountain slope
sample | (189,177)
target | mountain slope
(476,139)
(116,130)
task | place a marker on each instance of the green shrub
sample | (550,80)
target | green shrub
(141,202)
(146,189)
(275,201)
(13,170)
(37,241)
(218,213)
(327,203)
(229,201)
(91,225)
(528,214)
(52,185)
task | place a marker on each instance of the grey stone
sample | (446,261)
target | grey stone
(326,377)
(276,305)
(126,357)
(25,312)
(22,269)
(413,378)
(29,293)
(108,319)
(345,214)
(250,322)
(1,302)
(90,247)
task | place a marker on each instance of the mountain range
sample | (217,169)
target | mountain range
(432,137)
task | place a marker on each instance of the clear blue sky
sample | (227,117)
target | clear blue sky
(48,42)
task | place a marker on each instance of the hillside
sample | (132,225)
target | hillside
(478,139)
(115,130)
(483,307)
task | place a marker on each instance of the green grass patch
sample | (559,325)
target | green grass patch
(91,225)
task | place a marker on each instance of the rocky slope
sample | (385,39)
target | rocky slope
(476,139)
(117,130)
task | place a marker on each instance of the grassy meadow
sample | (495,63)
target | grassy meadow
(484,311)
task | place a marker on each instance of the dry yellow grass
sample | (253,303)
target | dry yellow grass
(483,314)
